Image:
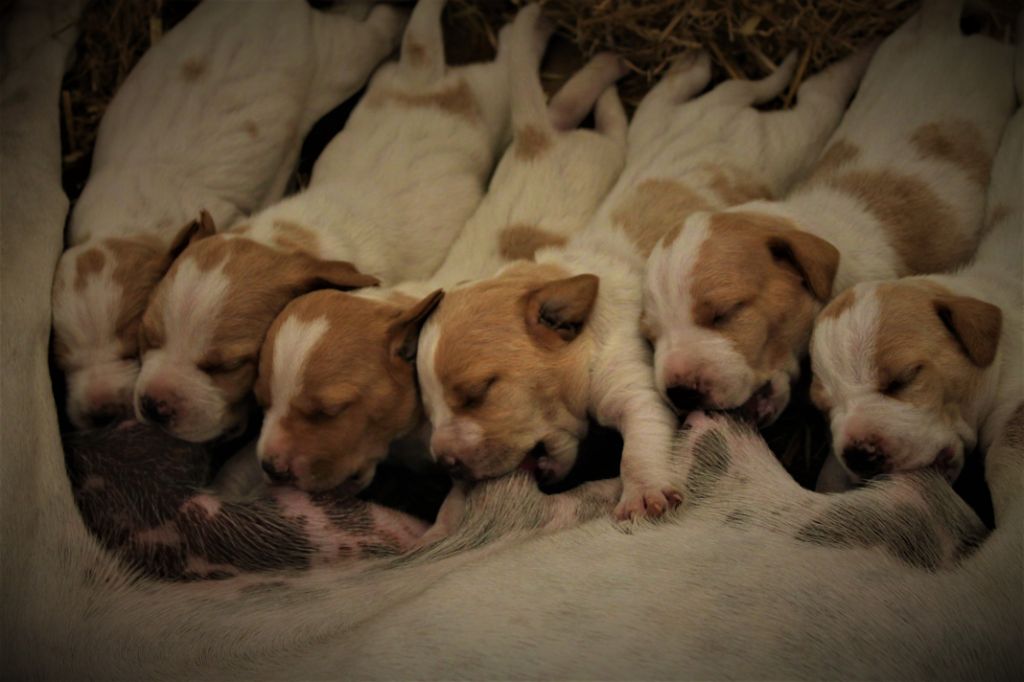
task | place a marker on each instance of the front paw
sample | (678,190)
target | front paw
(647,502)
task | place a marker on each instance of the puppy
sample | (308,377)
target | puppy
(899,190)
(389,193)
(212,116)
(336,373)
(510,368)
(917,372)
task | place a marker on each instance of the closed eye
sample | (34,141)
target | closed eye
(724,315)
(224,367)
(475,396)
(902,381)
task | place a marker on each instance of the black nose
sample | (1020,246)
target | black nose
(274,475)
(454,467)
(685,398)
(863,461)
(156,411)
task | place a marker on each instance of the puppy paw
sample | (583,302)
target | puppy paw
(647,502)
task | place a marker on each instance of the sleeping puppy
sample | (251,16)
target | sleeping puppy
(212,116)
(899,190)
(389,193)
(917,372)
(336,373)
(512,367)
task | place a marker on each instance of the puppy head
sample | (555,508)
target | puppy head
(896,366)
(202,331)
(728,307)
(502,367)
(100,291)
(336,381)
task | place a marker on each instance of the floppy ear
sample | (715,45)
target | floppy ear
(192,232)
(558,310)
(404,332)
(810,257)
(316,273)
(974,324)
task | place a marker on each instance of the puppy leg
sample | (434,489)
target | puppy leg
(570,105)
(688,75)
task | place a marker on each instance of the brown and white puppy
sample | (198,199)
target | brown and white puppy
(512,368)
(919,371)
(899,191)
(211,117)
(389,193)
(336,372)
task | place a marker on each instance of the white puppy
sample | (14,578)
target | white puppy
(900,190)
(211,117)
(336,370)
(512,367)
(918,371)
(389,193)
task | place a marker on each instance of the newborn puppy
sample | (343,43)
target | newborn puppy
(336,374)
(899,191)
(211,117)
(513,367)
(916,372)
(389,193)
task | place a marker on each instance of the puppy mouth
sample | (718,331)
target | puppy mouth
(945,463)
(531,461)
(758,409)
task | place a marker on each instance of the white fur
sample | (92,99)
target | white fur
(924,72)
(212,117)
(392,189)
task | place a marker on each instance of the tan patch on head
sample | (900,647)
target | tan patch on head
(921,228)
(294,237)
(88,263)
(839,305)
(734,185)
(656,209)
(192,69)
(531,142)
(355,399)
(522,241)
(741,291)
(839,153)
(139,263)
(958,142)
(456,99)
(251,129)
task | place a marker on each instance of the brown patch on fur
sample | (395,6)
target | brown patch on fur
(415,53)
(531,142)
(139,263)
(521,242)
(763,304)
(735,186)
(356,397)
(294,237)
(921,228)
(656,209)
(958,142)
(251,129)
(839,305)
(192,69)
(456,99)
(839,153)
(492,369)
(88,263)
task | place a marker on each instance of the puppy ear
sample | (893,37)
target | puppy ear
(812,258)
(195,230)
(558,310)
(404,332)
(974,324)
(316,273)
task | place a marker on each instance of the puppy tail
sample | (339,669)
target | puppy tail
(578,95)
(526,41)
(422,59)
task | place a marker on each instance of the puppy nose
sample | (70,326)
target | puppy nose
(274,475)
(864,461)
(685,398)
(454,466)
(156,411)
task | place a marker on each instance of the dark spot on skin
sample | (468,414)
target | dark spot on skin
(711,459)
(378,549)
(269,587)
(738,518)
(902,530)
(349,514)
